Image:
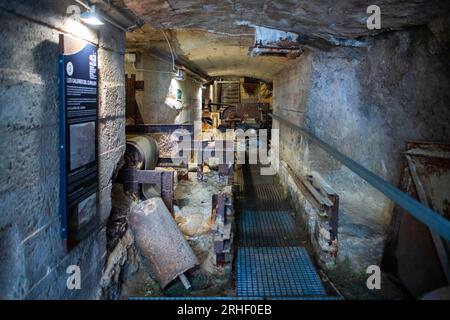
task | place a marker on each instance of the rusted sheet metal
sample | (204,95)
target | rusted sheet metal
(160,241)
(272,41)
(248,111)
(414,253)
(433,165)
(438,242)
(272,51)
(162,182)
(229,113)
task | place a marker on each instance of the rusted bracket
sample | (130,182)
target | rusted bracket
(225,169)
(173,162)
(200,172)
(248,110)
(197,147)
(223,233)
(323,197)
(218,205)
(162,180)
(326,199)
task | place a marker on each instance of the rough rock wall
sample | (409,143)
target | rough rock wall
(155,103)
(366,102)
(32,262)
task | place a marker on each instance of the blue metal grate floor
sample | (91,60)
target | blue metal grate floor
(276,272)
(270,264)
(267,229)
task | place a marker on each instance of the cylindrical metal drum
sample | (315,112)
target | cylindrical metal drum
(143,153)
(160,241)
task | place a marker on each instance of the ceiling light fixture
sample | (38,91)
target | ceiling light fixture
(91,17)
(181,75)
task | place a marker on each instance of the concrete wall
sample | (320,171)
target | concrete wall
(32,262)
(154,102)
(366,102)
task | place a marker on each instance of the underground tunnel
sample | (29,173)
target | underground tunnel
(228,150)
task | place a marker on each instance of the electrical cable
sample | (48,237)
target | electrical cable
(170,48)
(154,71)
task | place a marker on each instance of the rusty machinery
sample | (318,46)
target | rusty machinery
(156,232)
(205,150)
(255,115)
(157,235)
(138,176)
(163,129)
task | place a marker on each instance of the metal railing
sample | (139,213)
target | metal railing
(430,218)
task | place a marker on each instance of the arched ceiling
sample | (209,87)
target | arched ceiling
(209,53)
(214,36)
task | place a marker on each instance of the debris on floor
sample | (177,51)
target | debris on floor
(196,215)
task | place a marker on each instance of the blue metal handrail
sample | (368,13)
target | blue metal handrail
(432,219)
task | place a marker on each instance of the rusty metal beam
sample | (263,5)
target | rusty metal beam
(162,180)
(158,128)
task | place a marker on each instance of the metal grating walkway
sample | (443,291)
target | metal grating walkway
(270,262)
(267,229)
(276,272)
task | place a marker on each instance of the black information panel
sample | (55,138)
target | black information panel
(79,156)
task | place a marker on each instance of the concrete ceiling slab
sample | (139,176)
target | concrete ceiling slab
(214,36)
(330,20)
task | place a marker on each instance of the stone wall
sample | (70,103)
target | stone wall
(32,262)
(154,104)
(366,102)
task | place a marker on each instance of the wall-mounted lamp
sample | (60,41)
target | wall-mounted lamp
(181,75)
(91,17)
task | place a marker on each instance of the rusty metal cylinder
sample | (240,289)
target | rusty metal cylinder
(143,150)
(160,241)
(142,153)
